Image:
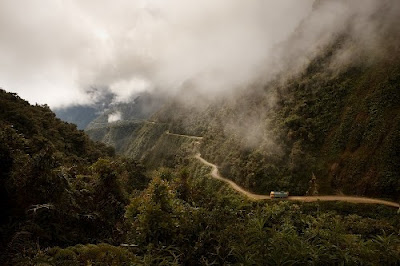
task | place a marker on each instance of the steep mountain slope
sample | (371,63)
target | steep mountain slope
(62,209)
(341,127)
(119,124)
(36,127)
(336,120)
(56,184)
(79,115)
(82,115)
(333,118)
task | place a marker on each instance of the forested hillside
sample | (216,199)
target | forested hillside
(64,205)
(343,127)
(322,120)
(337,120)
(57,186)
(119,124)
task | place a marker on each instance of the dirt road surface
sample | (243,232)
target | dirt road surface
(184,136)
(215,174)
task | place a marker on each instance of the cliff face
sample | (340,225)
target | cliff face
(38,152)
(120,123)
(343,127)
(335,115)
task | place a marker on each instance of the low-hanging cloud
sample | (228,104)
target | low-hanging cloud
(114,117)
(52,51)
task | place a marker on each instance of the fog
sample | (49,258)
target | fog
(113,117)
(56,52)
(53,51)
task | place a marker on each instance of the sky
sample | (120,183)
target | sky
(54,52)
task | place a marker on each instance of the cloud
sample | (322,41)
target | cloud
(125,89)
(52,51)
(114,117)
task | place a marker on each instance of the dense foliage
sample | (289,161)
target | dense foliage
(340,125)
(86,207)
(66,200)
(335,119)
(55,186)
(187,219)
(132,117)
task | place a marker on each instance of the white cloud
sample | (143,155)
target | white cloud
(125,89)
(114,117)
(51,51)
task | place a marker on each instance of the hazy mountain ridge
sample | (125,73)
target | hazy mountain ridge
(327,108)
(82,115)
(79,115)
(56,184)
(63,209)
(117,125)
(338,118)
(341,127)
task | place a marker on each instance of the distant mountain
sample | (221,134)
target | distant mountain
(104,110)
(57,184)
(117,125)
(328,125)
(82,115)
(338,119)
(141,107)
(79,115)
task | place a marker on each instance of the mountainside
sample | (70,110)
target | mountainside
(337,120)
(342,128)
(64,205)
(118,125)
(56,184)
(79,115)
(82,115)
(188,178)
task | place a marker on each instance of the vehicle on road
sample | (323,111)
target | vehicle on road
(279,194)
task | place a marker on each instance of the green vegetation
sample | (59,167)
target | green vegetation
(341,125)
(88,207)
(57,186)
(183,218)
(84,206)
(170,151)
(117,134)
(67,200)
(131,128)
(339,122)
(144,139)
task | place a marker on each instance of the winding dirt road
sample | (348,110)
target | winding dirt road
(215,174)
(185,136)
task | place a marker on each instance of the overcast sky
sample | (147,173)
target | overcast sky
(52,51)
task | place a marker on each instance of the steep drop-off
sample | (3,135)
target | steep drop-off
(121,122)
(336,120)
(342,128)
(56,185)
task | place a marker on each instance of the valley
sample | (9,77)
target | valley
(200,132)
(363,200)
(215,174)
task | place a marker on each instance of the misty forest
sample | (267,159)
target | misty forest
(173,132)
